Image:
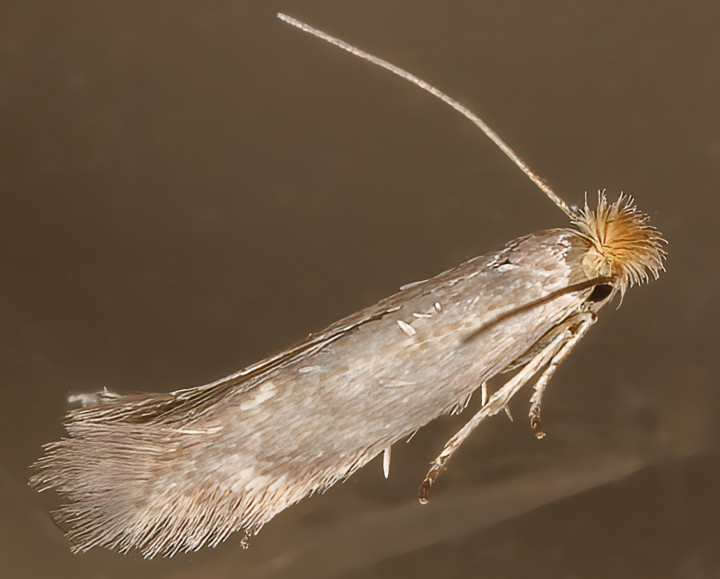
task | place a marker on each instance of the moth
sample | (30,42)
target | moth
(172,472)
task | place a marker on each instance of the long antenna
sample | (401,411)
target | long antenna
(534,177)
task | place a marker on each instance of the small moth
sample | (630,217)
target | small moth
(172,472)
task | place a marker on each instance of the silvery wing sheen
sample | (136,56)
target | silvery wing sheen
(165,473)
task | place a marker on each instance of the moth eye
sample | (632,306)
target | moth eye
(600,292)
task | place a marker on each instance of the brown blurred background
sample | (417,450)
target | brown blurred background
(186,187)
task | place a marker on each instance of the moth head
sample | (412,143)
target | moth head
(620,242)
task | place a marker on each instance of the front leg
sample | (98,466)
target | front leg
(569,332)
(584,321)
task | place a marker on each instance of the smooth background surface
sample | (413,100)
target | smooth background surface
(186,187)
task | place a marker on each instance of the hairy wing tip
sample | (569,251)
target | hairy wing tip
(124,490)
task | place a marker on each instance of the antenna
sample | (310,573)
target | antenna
(494,137)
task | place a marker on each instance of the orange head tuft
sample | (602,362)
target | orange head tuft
(621,243)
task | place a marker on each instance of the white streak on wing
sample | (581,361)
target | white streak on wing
(307,369)
(394,383)
(407,328)
(386,462)
(208,430)
(94,399)
(278,484)
(506,267)
(412,284)
(242,478)
(264,392)
(438,307)
(259,483)
(417,315)
(448,355)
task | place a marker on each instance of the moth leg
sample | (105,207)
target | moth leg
(508,414)
(386,462)
(586,320)
(495,404)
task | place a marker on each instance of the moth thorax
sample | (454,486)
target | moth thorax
(620,242)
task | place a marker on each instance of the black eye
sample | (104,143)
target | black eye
(600,292)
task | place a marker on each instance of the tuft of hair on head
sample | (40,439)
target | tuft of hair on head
(621,243)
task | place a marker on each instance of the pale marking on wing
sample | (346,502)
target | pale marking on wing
(412,284)
(208,430)
(395,383)
(407,328)
(261,394)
